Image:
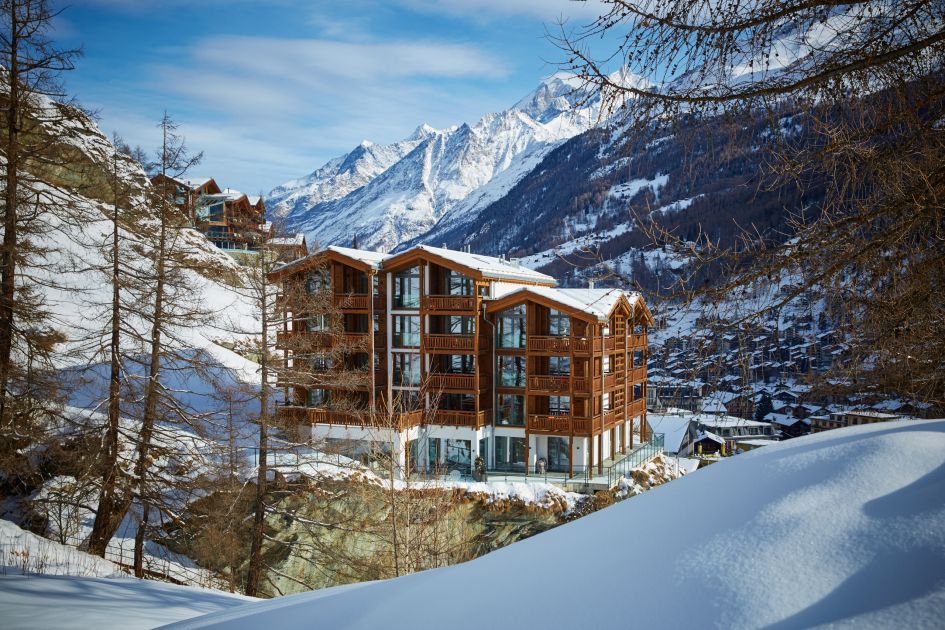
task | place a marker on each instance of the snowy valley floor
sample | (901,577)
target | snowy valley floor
(845,528)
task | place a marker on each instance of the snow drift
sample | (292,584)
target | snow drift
(845,527)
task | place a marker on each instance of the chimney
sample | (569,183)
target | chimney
(590,284)
(444,246)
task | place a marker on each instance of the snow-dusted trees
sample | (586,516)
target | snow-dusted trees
(855,96)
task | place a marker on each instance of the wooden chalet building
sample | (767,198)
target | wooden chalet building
(472,356)
(230,219)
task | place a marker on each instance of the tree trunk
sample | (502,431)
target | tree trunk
(8,254)
(106,517)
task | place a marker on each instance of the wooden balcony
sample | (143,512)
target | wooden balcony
(400,421)
(302,340)
(352,301)
(610,381)
(449,343)
(556,383)
(636,408)
(466,382)
(609,419)
(449,303)
(468,419)
(637,342)
(549,343)
(540,423)
(638,375)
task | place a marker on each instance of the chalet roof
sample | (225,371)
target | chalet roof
(298,239)
(718,422)
(253,199)
(673,427)
(490,267)
(227,195)
(784,419)
(194,182)
(599,303)
(708,435)
(372,259)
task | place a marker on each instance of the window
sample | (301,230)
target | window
(406,369)
(509,453)
(461,325)
(317,281)
(459,455)
(318,323)
(512,327)
(407,288)
(607,369)
(458,284)
(559,366)
(608,404)
(406,331)
(558,454)
(511,410)
(637,392)
(461,364)
(639,359)
(321,362)
(559,324)
(559,405)
(317,397)
(511,371)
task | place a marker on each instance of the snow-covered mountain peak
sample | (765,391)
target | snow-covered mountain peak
(389,194)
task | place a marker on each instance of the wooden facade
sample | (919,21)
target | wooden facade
(430,330)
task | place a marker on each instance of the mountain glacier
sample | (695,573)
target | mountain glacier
(387,195)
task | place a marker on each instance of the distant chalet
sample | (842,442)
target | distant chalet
(460,356)
(231,220)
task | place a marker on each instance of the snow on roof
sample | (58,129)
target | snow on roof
(488,266)
(373,259)
(195,182)
(727,421)
(227,195)
(876,522)
(298,239)
(674,429)
(708,435)
(784,420)
(596,302)
(253,199)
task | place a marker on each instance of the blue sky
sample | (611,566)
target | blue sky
(272,90)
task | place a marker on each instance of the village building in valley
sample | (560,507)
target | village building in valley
(462,357)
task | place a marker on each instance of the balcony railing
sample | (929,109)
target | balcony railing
(449,343)
(302,340)
(610,381)
(549,383)
(352,301)
(452,381)
(637,407)
(449,302)
(563,425)
(469,419)
(637,374)
(549,343)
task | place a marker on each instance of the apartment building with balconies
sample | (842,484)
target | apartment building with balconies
(460,356)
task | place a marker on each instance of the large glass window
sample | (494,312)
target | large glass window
(459,455)
(639,359)
(318,281)
(511,371)
(512,327)
(406,369)
(511,410)
(558,454)
(318,397)
(406,331)
(509,453)
(461,325)
(559,366)
(458,284)
(559,324)
(321,362)
(559,405)
(318,323)
(407,288)
(461,364)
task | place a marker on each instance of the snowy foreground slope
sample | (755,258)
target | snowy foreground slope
(845,527)
(78,590)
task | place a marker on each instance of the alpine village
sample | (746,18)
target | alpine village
(660,344)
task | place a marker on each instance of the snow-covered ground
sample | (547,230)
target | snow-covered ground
(845,528)
(78,590)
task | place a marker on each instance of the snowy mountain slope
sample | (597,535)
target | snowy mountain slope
(78,590)
(845,528)
(389,194)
